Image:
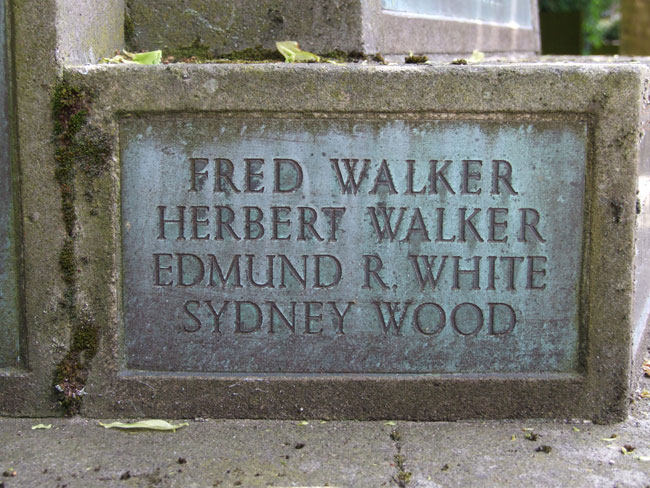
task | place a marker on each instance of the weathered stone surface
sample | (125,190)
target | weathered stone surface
(348,245)
(366,26)
(232,25)
(9,285)
(41,37)
(88,30)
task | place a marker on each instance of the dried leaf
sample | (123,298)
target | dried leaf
(642,458)
(645,393)
(145,424)
(293,54)
(41,426)
(575,429)
(610,439)
(390,422)
(303,422)
(513,437)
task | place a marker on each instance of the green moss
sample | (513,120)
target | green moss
(257,53)
(68,110)
(345,57)
(336,55)
(129,30)
(415,59)
(197,51)
(80,150)
(71,374)
(93,151)
(85,338)
(68,262)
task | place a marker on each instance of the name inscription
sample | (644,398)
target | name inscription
(351,246)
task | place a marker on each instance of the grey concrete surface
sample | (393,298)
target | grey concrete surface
(78,452)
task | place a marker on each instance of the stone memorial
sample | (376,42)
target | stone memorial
(391,27)
(326,241)
(303,245)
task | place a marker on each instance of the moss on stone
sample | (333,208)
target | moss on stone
(129,29)
(68,110)
(68,262)
(80,149)
(345,57)
(197,50)
(415,59)
(257,53)
(93,150)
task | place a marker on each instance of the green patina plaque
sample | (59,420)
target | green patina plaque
(351,245)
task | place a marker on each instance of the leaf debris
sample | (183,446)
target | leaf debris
(293,54)
(145,424)
(149,57)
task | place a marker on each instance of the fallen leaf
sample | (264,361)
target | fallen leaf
(513,438)
(645,393)
(575,429)
(150,57)
(642,458)
(41,426)
(476,57)
(145,424)
(303,422)
(623,450)
(390,422)
(610,439)
(293,54)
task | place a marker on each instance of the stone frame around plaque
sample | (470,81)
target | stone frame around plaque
(607,98)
